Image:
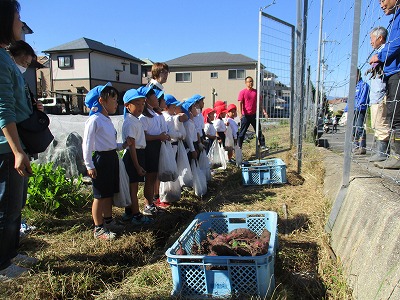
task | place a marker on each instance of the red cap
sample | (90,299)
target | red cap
(219,110)
(219,103)
(205,113)
(231,106)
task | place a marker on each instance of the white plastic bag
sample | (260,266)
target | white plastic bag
(222,156)
(229,143)
(199,180)
(170,191)
(167,168)
(204,164)
(238,156)
(123,198)
(185,173)
(214,154)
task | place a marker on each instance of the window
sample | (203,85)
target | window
(183,77)
(65,61)
(236,74)
(134,69)
(214,75)
(117,75)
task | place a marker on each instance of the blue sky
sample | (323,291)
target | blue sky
(166,29)
(158,29)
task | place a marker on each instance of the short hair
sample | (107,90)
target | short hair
(7,12)
(109,91)
(21,48)
(157,68)
(380,31)
(248,78)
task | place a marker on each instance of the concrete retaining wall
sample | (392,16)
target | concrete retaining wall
(366,234)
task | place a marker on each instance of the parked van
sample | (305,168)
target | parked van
(53,105)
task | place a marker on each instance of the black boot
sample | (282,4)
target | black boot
(393,162)
(381,151)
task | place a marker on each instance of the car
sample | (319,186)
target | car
(53,105)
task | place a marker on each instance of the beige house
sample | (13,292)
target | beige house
(78,66)
(215,75)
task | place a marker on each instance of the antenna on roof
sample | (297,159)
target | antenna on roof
(262,8)
(115,43)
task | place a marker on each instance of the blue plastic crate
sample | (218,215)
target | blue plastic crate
(201,276)
(260,172)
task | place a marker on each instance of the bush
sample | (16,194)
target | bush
(50,191)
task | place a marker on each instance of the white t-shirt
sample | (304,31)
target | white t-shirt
(219,125)
(152,126)
(199,123)
(209,129)
(179,127)
(191,134)
(234,127)
(170,122)
(99,135)
(133,128)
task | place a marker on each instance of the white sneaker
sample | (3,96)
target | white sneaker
(24,260)
(11,272)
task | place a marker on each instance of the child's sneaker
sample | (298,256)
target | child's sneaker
(113,225)
(160,204)
(104,234)
(127,217)
(140,219)
(24,260)
(152,210)
(11,272)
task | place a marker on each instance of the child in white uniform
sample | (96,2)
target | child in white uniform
(134,156)
(100,137)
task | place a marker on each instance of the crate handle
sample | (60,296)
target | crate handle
(237,220)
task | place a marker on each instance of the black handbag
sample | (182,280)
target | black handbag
(34,132)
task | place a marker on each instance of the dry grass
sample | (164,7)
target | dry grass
(75,266)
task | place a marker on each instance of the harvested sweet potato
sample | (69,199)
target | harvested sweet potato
(181,250)
(223,250)
(241,234)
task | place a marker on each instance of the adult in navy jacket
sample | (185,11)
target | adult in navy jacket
(390,56)
(361,102)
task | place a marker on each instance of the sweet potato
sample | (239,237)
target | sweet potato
(241,234)
(223,250)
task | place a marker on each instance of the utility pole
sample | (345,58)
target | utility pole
(321,14)
(324,68)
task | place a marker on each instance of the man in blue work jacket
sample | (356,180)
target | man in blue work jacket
(390,57)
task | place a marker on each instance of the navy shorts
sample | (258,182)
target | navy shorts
(152,156)
(106,183)
(130,168)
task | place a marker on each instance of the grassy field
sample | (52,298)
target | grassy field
(72,265)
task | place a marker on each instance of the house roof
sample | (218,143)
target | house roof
(210,59)
(26,28)
(147,62)
(88,44)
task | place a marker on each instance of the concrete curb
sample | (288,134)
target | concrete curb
(366,234)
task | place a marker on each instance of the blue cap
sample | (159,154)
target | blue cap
(132,94)
(187,104)
(171,100)
(92,99)
(197,97)
(159,93)
(145,90)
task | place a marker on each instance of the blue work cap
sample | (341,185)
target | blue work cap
(171,100)
(92,99)
(132,94)
(197,97)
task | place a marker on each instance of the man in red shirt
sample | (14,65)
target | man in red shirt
(248,108)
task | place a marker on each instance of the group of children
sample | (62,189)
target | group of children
(150,118)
